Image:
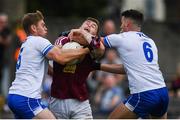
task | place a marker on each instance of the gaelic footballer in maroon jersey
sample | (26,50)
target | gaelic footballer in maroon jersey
(69,81)
(69,91)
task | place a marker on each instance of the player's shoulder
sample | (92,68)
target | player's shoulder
(62,38)
(130,34)
(42,38)
(139,34)
(135,35)
(36,38)
(115,35)
(123,34)
(37,41)
(64,33)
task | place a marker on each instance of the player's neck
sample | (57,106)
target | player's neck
(135,28)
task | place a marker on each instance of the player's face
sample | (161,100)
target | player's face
(124,24)
(41,28)
(90,27)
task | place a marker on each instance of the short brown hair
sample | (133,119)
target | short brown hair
(30,19)
(96,21)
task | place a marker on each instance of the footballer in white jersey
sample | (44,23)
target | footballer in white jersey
(149,95)
(31,67)
(140,59)
(24,97)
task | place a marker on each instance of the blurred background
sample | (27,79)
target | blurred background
(162,24)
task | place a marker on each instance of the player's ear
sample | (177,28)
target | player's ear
(33,28)
(128,23)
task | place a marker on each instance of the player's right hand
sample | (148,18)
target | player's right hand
(79,36)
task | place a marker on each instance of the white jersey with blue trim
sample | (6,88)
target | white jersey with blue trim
(31,67)
(140,59)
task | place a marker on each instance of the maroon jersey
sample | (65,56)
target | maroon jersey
(69,81)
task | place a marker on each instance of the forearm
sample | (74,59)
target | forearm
(113,68)
(65,56)
(69,55)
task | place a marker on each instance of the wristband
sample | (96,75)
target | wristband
(96,65)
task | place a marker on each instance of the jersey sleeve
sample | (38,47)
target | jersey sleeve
(112,40)
(61,40)
(44,46)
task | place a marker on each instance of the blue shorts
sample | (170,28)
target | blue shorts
(152,102)
(24,107)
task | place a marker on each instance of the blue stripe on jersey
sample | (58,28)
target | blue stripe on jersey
(46,50)
(107,43)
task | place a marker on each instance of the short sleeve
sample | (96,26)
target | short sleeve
(43,45)
(112,40)
(61,40)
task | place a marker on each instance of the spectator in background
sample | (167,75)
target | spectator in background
(108,27)
(20,37)
(109,95)
(3,21)
(176,82)
(5,39)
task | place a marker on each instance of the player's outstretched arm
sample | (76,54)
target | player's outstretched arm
(65,56)
(113,68)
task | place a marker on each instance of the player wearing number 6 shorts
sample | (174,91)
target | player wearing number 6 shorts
(149,95)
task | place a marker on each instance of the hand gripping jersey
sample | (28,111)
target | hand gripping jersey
(140,59)
(31,67)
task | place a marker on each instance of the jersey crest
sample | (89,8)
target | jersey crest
(69,69)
